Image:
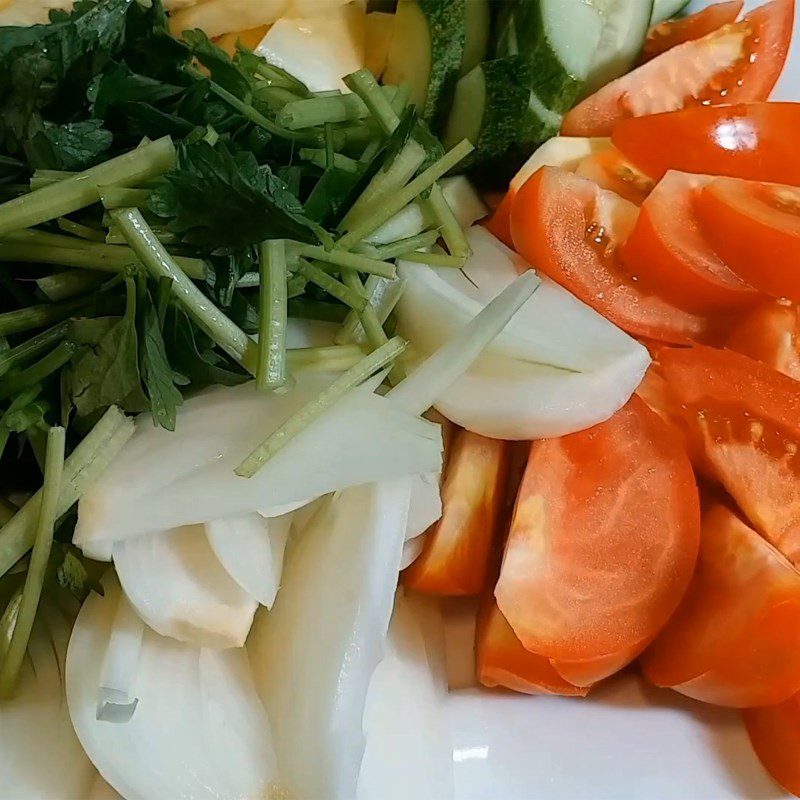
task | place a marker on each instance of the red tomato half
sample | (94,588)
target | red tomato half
(571,229)
(733,641)
(755,227)
(775,735)
(738,63)
(668,34)
(750,140)
(671,256)
(502,661)
(499,223)
(771,334)
(603,540)
(456,555)
(609,169)
(745,417)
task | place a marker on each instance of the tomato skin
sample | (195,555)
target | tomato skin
(672,257)
(499,223)
(590,671)
(745,417)
(770,334)
(501,660)
(673,32)
(609,169)
(603,540)
(755,227)
(774,732)
(571,230)
(731,642)
(738,63)
(750,140)
(457,552)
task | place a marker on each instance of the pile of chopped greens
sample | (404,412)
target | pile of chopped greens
(162,203)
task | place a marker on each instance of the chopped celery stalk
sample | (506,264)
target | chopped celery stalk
(407,245)
(343,259)
(160,264)
(27,319)
(40,555)
(318,157)
(46,177)
(388,206)
(87,462)
(82,190)
(333,358)
(369,319)
(115,237)
(43,238)
(8,622)
(248,281)
(401,98)
(33,347)
(354,376)
(63,285)
(333,287)
(19,402)
(370,151)
(38,371)
(6,512)
(272,316)
(122,197)
(383,296)
(318,110)
(363,84)
(417,393)
(451,231)
(435,259)
(81,231)
(295,286)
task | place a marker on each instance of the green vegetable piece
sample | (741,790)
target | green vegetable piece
(335,288)
(271,373)
(317,111)
(32,348)
(37,372)
(338,258)
(26,319)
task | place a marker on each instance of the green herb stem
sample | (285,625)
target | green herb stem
(38,316)
(33,347)
(23,399)
(32,236)
(318,156)
(82,189)
(317,111)
(81,231)
(434,259)
(338,258)
(47,177)
(383,296)
(452,233)
(367,316)
(38,371)
(63,285)
(332,358)
(408,245)
(333,287)
(40,555)
(363,84)
(123,197)
(401,98)
(271,372)
(391,204)
(165,236)
(354,376)
(160,264)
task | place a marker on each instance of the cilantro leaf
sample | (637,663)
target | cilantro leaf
(221,67)
(73,146)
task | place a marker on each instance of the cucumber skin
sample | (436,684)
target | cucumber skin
(667,10)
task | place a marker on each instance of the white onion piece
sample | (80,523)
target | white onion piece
(560,151)
(177,585)
(314,653)
(408,751)
(251,548)
(163,480)
(171,747)
(309,333)
(412,550)
(116,695)
(40,756)
(426,503)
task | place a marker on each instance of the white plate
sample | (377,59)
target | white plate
(626,741)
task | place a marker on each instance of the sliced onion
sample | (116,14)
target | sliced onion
(177,585)
(408,750)
(426,503)
(164,480)
(251,548)
(175,743)
(314,653)
(40,756)
(412,550)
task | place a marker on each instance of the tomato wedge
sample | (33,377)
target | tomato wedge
(499,224)
(749,140)
(610,170)
(733,641)
(668,34)
(745,417)
(755,227)
(456,555)
(589,671)
(603,540)
(774,732)
(571,229)
(738,63)
(672,257)
(771,334)
(501,660)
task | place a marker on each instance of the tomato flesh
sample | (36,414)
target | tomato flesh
(771,334)
(740,62)
(610,170)
(499,223)
(603,539)
(732,641)
(755,227)
(589,671)
(669,34)
(457,551)
(571,230)
(501,660)
(745,417)
(670,255)
(749,140)
(774,732)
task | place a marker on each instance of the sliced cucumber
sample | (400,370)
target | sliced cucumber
(426,53)
(664,9)
(477,42)
(625,26)
(558,38)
